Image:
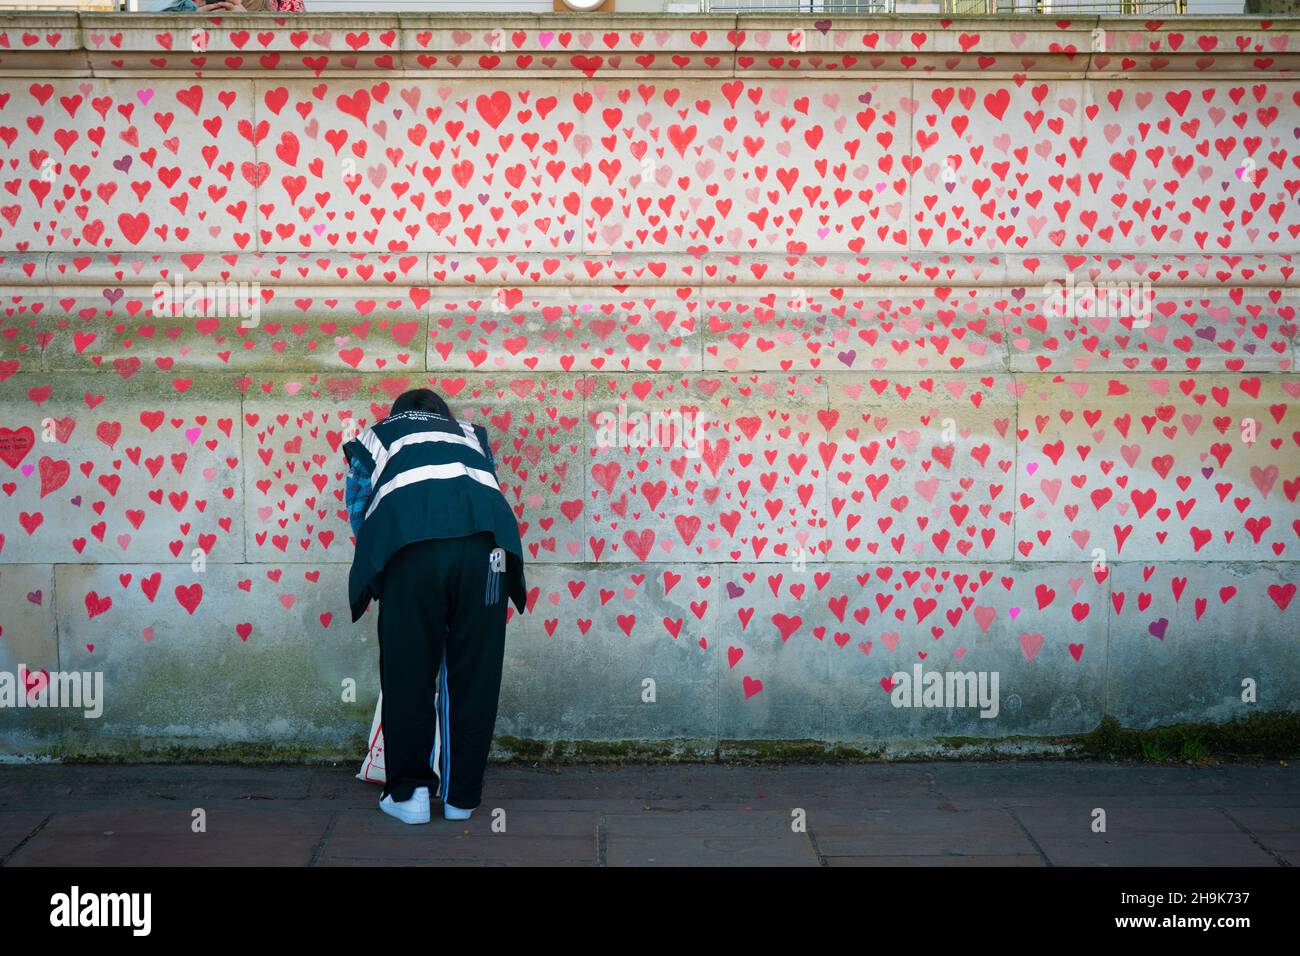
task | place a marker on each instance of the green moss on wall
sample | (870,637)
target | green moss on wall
(1261,735)
(1275,734)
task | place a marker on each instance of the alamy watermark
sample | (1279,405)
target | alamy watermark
(662,428)
(77,690)
(77,909)
(946,689)
(228,300)
(1099,300)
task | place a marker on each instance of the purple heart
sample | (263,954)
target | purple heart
(848,357)
(1207,333)
(123,165)
(1017,294)
(864,99)
(823,25)
(1249,349)
(734,590)
(950,187)
(112,295)
(1206,472)
(76,502)
(34,597)
(1158,628)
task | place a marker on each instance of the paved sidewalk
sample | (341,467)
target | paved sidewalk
(962,814)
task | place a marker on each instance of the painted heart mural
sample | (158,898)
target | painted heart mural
(807,356)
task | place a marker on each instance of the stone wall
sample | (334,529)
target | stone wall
(831,248)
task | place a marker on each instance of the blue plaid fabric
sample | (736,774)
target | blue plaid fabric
(356,493)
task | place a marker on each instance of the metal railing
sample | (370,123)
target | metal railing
(954,7)
(797,6)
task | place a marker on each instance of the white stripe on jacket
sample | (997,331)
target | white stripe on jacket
(431,472)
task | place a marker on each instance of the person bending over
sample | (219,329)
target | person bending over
(438,546)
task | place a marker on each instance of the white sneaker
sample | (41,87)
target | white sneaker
(414,810)
(454,813)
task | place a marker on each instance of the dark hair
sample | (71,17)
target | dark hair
(422,400)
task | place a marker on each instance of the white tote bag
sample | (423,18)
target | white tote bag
(372,767)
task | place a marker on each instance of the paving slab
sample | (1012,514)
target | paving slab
(492,836)
(1023,859)
(1276,829)
(17,826)
(706,838)
(1031,813)
(918,832)
(152,837)
(1135,837)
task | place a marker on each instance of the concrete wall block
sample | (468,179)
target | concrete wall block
(864,268)
(682,469)
(535,425)
(253,653)
(1194,633)
(1097,325)
(399,165)
(1157,468)
(132,164)
(657,169)
(237,324)
(813,653)
(295,475)
(29,654)
(24,327)
(21,268)
(921,467)
(102,470)
(1157,268)
(821,182)
(27,632)
(582,329)
(295,478)
(613,653)
(1179,170)
(529,269)
(270,270)
(968,137)
(840,329)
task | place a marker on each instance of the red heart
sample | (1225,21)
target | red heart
(15,444)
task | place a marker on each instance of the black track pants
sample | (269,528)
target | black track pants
(442,623)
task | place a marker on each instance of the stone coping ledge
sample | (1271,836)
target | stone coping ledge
(712,270)
(522,385)
(632,44)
